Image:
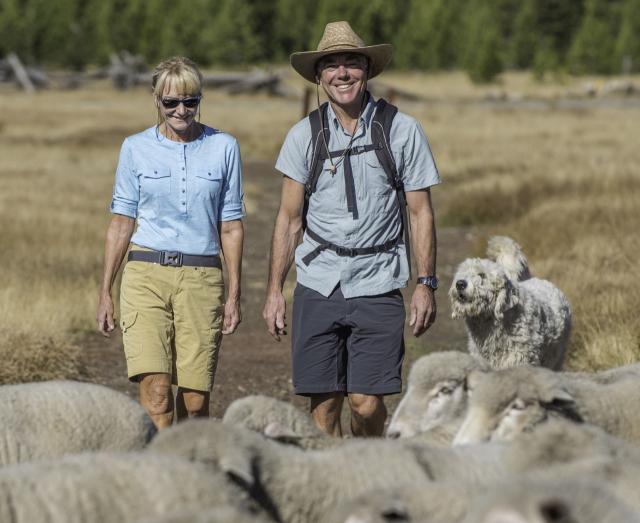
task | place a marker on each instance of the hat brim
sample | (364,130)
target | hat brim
(379,57)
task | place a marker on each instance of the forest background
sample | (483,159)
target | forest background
(483,37)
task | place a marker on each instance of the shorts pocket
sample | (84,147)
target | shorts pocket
(156,181)
(132,343)
(128,320)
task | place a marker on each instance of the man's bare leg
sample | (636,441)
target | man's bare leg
(156,397)
(368,414)
(192,404)
(326,410)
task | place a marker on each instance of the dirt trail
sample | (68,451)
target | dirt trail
(250,361)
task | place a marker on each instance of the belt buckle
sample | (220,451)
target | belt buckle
(346,251)
(171,258)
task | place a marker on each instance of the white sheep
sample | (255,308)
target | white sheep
(53,418)
(110,488)
(219,514)
(278,420)
(279,473)
(528,500)
(436,394)
(512,319)
(508,402)
(297,485)
(438,502)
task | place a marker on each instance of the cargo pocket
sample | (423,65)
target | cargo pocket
(132,343)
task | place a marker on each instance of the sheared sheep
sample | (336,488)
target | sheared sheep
(53,418)
(508,402)
(278,420)
(526,500)
(275,474)
(110,488)
(511,319)
(436,394)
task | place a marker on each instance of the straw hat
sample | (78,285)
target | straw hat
(338,37)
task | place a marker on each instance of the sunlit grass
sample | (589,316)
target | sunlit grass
(563,183)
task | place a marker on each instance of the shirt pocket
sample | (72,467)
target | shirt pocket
(155,181)
(376,179)
(208,183)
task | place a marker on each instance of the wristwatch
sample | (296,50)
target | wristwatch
(428,281)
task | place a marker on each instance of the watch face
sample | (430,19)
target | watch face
(433,283)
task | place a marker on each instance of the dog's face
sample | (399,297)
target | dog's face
(481,288)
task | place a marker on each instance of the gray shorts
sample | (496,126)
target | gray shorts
(351,345)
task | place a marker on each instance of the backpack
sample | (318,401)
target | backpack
(380,134)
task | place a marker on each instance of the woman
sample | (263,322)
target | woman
(181,181)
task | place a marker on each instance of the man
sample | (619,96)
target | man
(348,313)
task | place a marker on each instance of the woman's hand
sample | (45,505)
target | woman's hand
(104,317)
(232,316)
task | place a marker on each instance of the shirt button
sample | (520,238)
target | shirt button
(209,174)
(183,168)
(184,179)
(182,190)
(183,203)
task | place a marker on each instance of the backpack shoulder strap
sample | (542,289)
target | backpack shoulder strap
(317,143)
(318,154)
(381,136)
(381,133)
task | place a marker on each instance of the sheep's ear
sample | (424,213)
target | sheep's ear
(507,299)
(239,467)
(560,401)
(280,433)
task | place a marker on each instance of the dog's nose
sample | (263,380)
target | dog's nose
(461,285)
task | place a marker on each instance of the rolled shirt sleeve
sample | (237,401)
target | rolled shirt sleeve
(293,160)
(418,168)
(126,190)
(232,197)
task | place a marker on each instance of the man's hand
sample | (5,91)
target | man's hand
(423,309)
(232,316)
(274,314)
(104,317)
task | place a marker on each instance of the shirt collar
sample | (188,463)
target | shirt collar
(365,117)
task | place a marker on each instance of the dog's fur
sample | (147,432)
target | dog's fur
(512,318)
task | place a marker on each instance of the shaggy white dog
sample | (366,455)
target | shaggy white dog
(512,318)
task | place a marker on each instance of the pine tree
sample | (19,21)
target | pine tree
(482,60)
(627,49)
(289,34)
(593,47)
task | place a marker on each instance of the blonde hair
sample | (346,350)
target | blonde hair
(181,73)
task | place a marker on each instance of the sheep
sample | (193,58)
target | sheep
(278,420)
(436,394)
(53,418)
(221,514)
(434,503)
(608,376)
(510,401)
(275,473)
(512,319)
(527,500)
(110,488)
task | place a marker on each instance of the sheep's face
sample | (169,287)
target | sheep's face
(436,395)
(426,407)
(481,288)
(504,404)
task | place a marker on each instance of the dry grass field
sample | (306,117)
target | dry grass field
(563,181)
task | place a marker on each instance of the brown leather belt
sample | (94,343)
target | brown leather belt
(175,259)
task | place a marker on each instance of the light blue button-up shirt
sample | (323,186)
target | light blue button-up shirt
(179,191)
(378,216)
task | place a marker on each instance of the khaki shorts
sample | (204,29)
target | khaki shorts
(171,320)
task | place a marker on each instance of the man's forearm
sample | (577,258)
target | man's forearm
(286,234)
(232,240)
(423,238)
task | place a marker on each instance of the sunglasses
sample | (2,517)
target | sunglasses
(172,103)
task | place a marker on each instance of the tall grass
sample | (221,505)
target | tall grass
(563,183)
